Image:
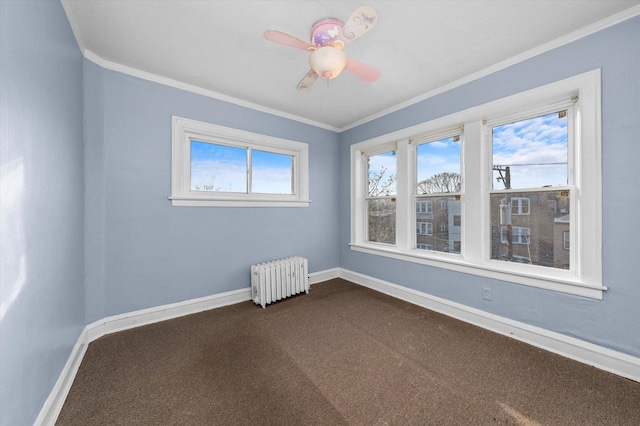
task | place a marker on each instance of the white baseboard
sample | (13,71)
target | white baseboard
(142,317)
(326,275)
(606,359)
(53,405)
(588,353)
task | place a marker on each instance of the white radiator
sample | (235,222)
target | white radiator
(279,279)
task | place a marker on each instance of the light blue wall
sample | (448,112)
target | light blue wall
(42,199)
(146,253)
(613,322)
(88,232)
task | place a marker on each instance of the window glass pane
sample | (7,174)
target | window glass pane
(531,153)
(382,174)
(536,237)
(218,168)
(271,173)
(381,220)
(438,224)
(438,166)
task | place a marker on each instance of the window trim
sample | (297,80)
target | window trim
(583,280)
(183,130)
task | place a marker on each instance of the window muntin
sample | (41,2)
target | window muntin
(219,166)
(581,272)
(380,197)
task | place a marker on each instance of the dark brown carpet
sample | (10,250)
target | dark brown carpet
(343,354)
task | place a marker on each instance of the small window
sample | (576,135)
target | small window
(219,166)
(519,206)
(424,206)
(521,235)
(424,228)
(566,240)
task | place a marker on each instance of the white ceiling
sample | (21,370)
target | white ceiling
(216,47)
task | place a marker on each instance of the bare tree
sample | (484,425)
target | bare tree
(382,211)
(440,183)
(379,184)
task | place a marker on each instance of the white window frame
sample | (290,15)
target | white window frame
(424,228)
(521,235)
(518,207)
(185,130)
(424,207)
(584,278)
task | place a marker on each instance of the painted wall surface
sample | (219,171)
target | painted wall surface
(152,253)
(42,201)
(612,322)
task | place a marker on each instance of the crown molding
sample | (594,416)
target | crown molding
(113,66)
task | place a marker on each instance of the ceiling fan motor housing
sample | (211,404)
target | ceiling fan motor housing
(328,62)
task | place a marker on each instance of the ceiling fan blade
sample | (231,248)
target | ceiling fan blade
(286,39)
(361,20)
(308,80)
(363,71)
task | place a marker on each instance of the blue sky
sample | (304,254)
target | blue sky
(528,146)
(224,168)
(437,157)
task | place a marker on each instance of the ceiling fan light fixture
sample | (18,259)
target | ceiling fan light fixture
(328,62)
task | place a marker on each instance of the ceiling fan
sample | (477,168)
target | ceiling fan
(328,39)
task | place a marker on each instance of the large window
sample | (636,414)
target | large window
(492,190)
(219,166)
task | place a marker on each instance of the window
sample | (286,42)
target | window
(521,235)
(497,183)
(218,166)
(424,206)
(424,228)
(437,183)
(519,206)
(380,197)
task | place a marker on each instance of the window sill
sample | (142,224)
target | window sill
(456,263)
(235,202)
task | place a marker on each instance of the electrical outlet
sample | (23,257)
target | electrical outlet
(486,294)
